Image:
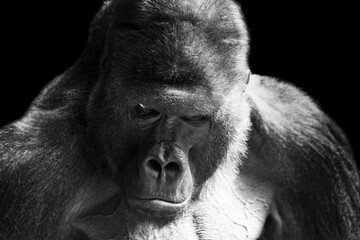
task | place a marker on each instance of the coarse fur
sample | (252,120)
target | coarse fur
(267,164)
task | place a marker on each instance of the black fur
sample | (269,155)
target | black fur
(50,157)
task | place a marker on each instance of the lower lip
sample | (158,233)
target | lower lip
(156,205)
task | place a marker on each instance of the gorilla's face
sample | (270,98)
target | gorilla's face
(164,142)
(172,95)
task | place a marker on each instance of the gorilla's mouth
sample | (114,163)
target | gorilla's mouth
(157,205)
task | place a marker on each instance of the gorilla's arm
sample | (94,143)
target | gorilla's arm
(28,191)
(304,154)
(38,173)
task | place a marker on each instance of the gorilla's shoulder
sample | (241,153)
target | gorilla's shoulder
(287,118)
(38,138)
(282,104)
(14,150)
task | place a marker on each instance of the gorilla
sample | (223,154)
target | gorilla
(161,131)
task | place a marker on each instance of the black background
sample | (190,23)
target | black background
(310,45)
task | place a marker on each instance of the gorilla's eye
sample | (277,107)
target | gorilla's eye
(195,120)
(143,112)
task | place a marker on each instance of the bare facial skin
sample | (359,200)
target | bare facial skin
(161,131)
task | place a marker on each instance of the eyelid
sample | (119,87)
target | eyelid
(195,119)
(142,112)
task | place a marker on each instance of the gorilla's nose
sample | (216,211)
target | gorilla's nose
(158,169)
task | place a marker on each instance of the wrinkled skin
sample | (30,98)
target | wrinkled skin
(160,131)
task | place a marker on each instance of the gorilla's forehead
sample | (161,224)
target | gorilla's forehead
(181,45)
(178,57)
(176,101)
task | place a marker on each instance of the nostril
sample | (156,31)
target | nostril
(154,165)
(172,167)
